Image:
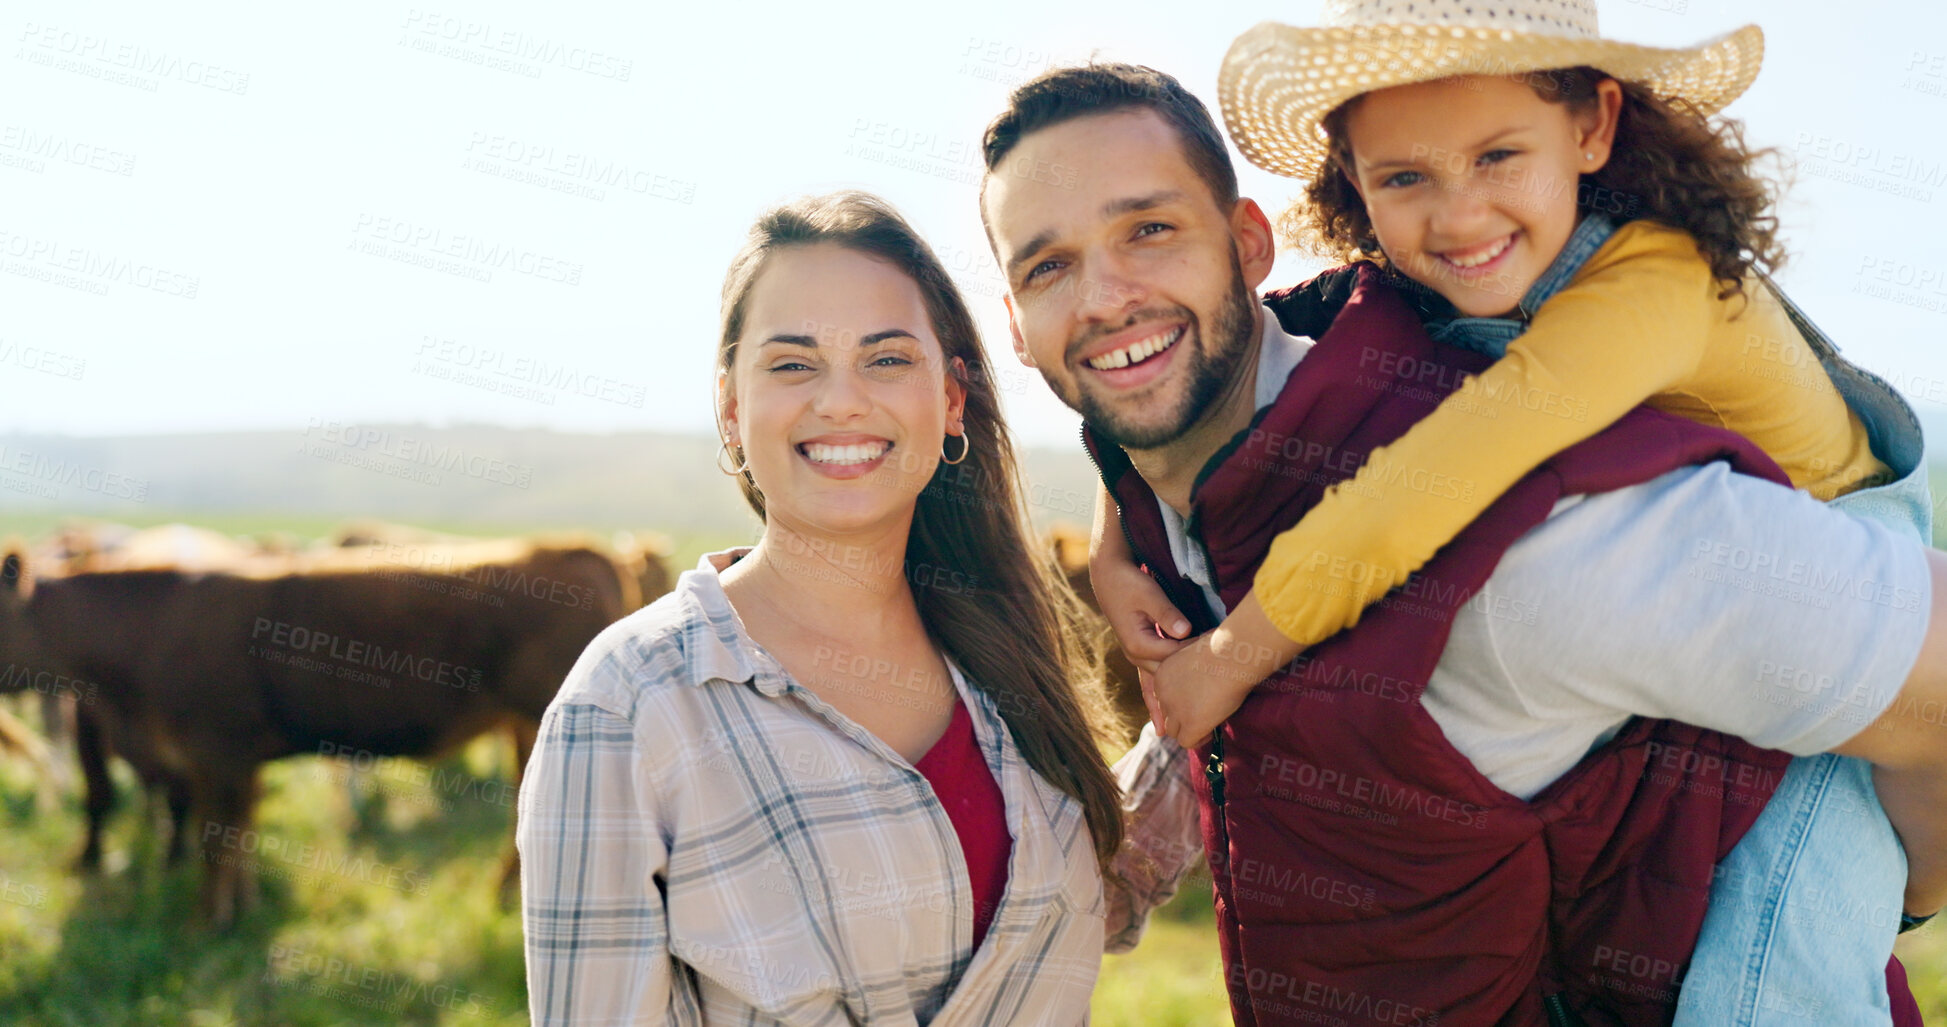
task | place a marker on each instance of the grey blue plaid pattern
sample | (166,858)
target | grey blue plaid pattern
(704,841)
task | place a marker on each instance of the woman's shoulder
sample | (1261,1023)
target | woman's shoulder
(652,656)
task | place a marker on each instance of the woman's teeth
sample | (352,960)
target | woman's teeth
(1136,352)
(856,453)
(1481,257)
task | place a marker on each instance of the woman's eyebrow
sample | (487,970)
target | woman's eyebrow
(806,340)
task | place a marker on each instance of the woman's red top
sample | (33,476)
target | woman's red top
(966,787)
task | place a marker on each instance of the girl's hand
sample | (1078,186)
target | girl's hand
(1201,686)
(1195,691)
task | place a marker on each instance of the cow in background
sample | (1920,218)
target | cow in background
(645,554)
(638,556)
(80,545)
(642,555)
(371,532)
(184,547)
(204,677)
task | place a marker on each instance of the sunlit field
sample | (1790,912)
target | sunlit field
(388,917)
(407,929)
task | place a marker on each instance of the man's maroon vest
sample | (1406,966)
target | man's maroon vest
(1366,872)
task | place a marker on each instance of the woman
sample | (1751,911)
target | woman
(848,774)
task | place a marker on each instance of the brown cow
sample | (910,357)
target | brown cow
(83,545)
(645,554)
(370,532)
(183,547)
(642,555)
(203,677)
(639,558)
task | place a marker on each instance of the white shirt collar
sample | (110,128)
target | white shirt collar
(1278,354)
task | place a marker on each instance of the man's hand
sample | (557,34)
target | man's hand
(1146,625)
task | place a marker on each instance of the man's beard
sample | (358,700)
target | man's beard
(1211,367)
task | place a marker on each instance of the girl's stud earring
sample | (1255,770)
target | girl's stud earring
(1588,156)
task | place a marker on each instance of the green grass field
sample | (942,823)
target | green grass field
(390,919)
(405,928)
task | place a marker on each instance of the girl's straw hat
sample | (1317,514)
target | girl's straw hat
(1278,82)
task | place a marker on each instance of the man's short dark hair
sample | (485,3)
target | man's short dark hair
(1064,94)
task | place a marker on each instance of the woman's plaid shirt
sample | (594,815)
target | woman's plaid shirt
(703,840)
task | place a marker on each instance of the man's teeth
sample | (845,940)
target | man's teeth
(856,453)
(1482,257)
(1136,352)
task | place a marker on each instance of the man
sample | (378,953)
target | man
(1132,279)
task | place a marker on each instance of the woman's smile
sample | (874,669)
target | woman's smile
(844,457)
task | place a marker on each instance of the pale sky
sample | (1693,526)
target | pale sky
(220,216)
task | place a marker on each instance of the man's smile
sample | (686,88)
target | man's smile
(1135,357)
(1136,352)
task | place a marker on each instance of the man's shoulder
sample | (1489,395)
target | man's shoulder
(1309,308)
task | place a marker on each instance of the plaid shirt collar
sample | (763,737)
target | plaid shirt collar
(724,652)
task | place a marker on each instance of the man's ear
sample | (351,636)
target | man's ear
(1014,329)
(1595,128)
(1257,247)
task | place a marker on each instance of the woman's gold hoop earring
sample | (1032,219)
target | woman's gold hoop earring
(723,450)
(966,446)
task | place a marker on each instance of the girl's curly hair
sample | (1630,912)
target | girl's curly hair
(1670,165)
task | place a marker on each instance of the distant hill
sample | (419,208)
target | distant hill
(459,476)
(415,473)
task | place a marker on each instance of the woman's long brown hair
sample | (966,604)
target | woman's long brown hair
(990,600)
(1670,165)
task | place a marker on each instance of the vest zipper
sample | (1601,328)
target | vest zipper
(1559,1014)
(1128,537)
(1213,762)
